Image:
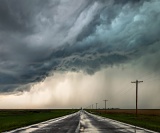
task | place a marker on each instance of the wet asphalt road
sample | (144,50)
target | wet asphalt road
(68,125)
(81,122)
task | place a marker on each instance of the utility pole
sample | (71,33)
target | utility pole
(136,93)
(105,104)
(96,105)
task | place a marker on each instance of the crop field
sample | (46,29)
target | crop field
(146,118)
(133,111)
(12,119)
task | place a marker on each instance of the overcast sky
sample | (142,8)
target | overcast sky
(71,54)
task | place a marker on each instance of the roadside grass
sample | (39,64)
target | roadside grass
(151,122)
(12,119)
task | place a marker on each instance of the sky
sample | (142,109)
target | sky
(72,54)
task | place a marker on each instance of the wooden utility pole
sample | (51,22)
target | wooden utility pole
(136,94)
(96,105)
(105,104)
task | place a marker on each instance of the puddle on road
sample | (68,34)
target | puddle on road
(86,125)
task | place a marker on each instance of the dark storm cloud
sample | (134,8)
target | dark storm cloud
(38,37)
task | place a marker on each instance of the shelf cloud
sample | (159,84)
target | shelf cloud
(39,38)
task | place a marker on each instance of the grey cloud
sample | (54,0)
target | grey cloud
(38,37)
(18,15)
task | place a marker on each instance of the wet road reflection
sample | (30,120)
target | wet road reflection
(81,122)
(90,123)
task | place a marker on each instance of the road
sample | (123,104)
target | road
(81,122)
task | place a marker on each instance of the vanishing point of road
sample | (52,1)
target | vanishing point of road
(81,122)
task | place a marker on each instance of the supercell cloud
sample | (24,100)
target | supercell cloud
(38,38)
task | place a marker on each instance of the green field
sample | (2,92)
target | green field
(11,119)
(151,122)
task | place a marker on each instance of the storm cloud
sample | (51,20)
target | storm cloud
(38,38)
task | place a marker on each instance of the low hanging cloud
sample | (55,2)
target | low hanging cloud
(39,37)
(75,90)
